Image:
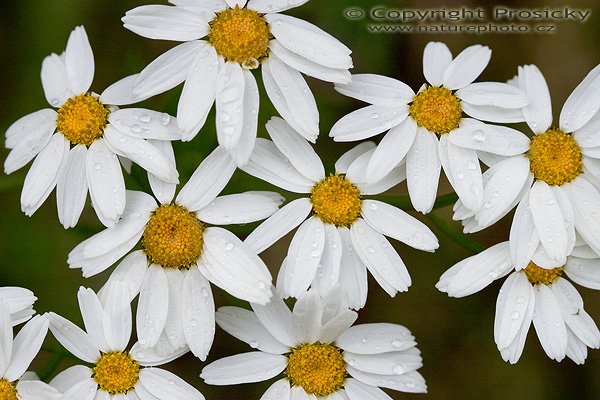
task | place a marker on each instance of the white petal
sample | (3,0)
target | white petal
(25,347)
(198,313)
(304,256)
(92,313)
(273,6)
(353,273)
(278,225)
(79,61)
(121,92)
(116,317)
(493,139)
(164,191)
(335,326)
(493,94)
(436,58)
(308,67)
(346,159)
(168,70)
(576,349)
(277,318)
(36,390)
(144,123)
(379,256)
(467,66)
(538,114)
(27,137)
(166,385)
(43,174)
(356,390)
(105,182)
(54,80)
(523,236)
(411,382)
(549,221)
(173,329)
(243,149)
(307,40)
(240,208)
(160,354)
(269,164)
(297,150)
(280,390)
(493,114)
(423,170)
(586,137)
(229,104)
(207,181)
(71,188)
(366,122)
(143,153)
(243,368)
(291,97)
(153,306)
(328,272)
(70,377)
(513,352)
(582,104)
(166,23)
(392,363)
(72,338)
(549,323)
(511,309)
(395,223)
(392,150)
(377,89)
(586,207)
(83,390)
(245,325)
(584,272)
(306,317)
(465,173)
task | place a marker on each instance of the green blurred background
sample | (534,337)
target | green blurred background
(455,335)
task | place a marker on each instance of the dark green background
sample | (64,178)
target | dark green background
(455,335)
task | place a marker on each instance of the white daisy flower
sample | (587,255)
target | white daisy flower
(537,293)
(181,252)
(19,302)
(116,373)
(319,351)
(240,35)
(16,355)
(344,234)
(553,180)
(414,120)
(76,147)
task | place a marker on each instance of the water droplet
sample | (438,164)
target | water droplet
(373,206)
(165,119)
(374,116)
(398,369)
(315,253)
(479,135)
(515,315)
(204,292)
(97,166)
(397,343)
(364,339)
(471,165)
(370,250)
(136,128)
(253,344)
(228,246)
(144,118)
(54,102)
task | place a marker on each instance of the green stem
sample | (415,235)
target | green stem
(448,230)
(57,356)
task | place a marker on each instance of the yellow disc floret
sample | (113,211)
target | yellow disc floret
(82,119)
(173,238)
(116,372)
(537,274)
(436,109)
(8,390)
(336,201)
(555,157)
(317,368)
(240,35)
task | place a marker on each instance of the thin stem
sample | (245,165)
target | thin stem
(57,356)
(448,230)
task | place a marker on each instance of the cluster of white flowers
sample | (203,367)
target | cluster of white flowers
(169,246)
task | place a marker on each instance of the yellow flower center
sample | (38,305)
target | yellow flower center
(8,390)
(173,237)
(436,109)
(555,157)
(240,35)
(336,201)
(82,119)
(116,372)
(537,274)
(318,368)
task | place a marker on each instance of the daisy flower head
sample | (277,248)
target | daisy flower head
(341,233)
(117,373)
(318,350)
(536,293)
(554,181)
(76,148)
(421,126)
(15,356)
(222,41)
(19,302)
(182,250)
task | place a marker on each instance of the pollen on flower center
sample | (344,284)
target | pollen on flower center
(555,157)
(240,35)
(318,368)
(537,274)
(8,390)
(436,109)
(336,201)
(82,119)
(173,238)
(116,372)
